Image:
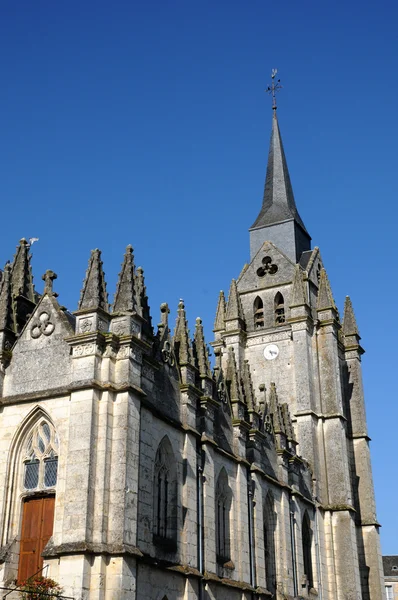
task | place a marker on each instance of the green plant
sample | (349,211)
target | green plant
(39,588)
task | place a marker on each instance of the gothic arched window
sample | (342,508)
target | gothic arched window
(41,458)
(279,307)
(306,535)
(258,311)
(165,493)
(223,508)
(269,544)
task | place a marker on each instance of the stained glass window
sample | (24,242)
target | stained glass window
(41,460)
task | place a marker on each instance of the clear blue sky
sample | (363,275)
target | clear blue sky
(147,123)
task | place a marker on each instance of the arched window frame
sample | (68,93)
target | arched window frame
(258,313)
(279,309)
(269,524)
(40,458)
(165,497)
(306,538)
(223,504)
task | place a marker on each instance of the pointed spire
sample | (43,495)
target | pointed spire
(181,336)
(22,279)
(201,353)
(298,294)
(232,377)
(248,386)
(219,323)
(279,207)
(350,326)
(6,320)
(124,300)
(93,295)
(278,199)
(234,306)
(325,296)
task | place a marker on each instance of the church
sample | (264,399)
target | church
(133,470)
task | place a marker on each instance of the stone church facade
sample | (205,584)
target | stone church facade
(132,470)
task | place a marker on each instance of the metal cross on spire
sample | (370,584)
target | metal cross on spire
(274,87)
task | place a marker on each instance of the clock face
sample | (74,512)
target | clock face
(271,351)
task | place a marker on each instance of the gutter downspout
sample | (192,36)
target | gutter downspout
(253,582)
(318,556)
(293,544)
(200,524)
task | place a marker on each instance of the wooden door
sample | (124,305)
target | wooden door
(37,528)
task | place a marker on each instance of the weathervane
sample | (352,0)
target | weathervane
(274,87)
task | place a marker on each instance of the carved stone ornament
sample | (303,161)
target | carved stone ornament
(102,325)
(167,354)
(42,326)
(119,327)
(268,424)
(267,267)
(86,325)
(148,372)
(222,394)
(84,350)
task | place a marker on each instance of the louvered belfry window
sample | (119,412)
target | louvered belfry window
(41,458)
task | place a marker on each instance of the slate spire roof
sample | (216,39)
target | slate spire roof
(278,200)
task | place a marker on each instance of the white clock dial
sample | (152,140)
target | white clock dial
(271,351)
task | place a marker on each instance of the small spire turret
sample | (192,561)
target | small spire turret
(299,297)
(22,279)
(232,378)
(125,298)
(325,296)
(6,319)
(200,350)
(181,339)
(94,295)
(219,323)
(234,306)
(350,326)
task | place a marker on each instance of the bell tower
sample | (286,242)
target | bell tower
(282,324)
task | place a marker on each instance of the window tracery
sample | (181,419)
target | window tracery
(41,458)
(223,507)
(306,535)
(165,493)
(269,544)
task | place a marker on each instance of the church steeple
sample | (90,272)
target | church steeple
(278,220)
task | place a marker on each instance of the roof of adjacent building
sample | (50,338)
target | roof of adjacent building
(390,566)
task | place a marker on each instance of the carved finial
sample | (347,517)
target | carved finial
(48,279)
(274,87)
